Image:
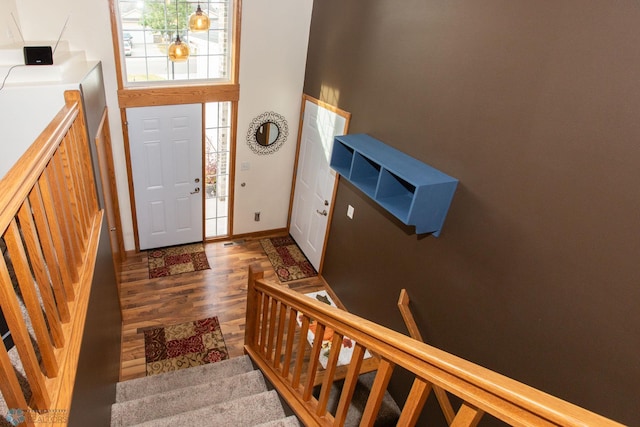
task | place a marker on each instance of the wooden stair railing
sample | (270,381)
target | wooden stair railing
(277,325)
(414,332)
(50,225)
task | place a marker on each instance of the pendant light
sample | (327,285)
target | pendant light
(178,50)
(199,21)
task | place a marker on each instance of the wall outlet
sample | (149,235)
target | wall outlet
(350,212)
(256,216)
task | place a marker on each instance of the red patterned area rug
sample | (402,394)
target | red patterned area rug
(287,259)
(177,260)
(183,346)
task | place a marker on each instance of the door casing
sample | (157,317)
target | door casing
(314,185)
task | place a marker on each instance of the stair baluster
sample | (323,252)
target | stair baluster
(295,374)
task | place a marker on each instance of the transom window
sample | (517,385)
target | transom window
(150,26)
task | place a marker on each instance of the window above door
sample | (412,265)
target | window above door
(148,27)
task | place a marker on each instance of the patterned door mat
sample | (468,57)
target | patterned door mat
(184,345)
(177,260)
(287,259)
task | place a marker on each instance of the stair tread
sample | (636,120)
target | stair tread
(290,421)
(175,401)
(246,411)
(146,386)
(388,414)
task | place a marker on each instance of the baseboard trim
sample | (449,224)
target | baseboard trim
(253,235)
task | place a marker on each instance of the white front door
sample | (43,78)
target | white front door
(166,164)
(315,181)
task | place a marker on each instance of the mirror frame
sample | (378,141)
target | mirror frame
(262,119)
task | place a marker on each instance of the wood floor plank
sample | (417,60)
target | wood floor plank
(219,291)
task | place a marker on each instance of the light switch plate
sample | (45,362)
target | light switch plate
(350,212)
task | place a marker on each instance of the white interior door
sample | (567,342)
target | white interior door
(315,181)
(166,164)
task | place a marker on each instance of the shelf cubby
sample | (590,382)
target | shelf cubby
(341,159)
(395,194)
(414,192)
(365,174)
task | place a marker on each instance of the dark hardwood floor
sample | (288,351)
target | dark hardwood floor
(220,291)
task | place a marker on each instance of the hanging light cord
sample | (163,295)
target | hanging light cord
(7,75)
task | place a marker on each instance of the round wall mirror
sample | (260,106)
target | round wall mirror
(267,133)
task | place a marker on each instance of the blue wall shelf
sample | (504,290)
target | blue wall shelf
(414,192)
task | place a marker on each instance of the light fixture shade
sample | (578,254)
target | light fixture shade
(199,21)
(178,51)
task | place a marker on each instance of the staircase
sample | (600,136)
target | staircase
(227,393)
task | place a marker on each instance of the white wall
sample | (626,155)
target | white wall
(8,32)
(273,55)
(88,30)
(20,123)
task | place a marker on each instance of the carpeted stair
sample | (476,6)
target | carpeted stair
(389,411)
(227,393)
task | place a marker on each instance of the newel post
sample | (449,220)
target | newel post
(253,307)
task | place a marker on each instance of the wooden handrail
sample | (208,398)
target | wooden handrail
(19,180)
(50,225)
(481,390)
(407,316)
(414,332)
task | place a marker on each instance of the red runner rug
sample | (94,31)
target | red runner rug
(177,260)
(287,259)
(184,345)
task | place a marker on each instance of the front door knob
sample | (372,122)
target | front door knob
(197,190)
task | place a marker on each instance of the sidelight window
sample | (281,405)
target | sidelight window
(216,174)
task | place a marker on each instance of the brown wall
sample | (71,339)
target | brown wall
(99,365)
(535,108)
(99,362)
